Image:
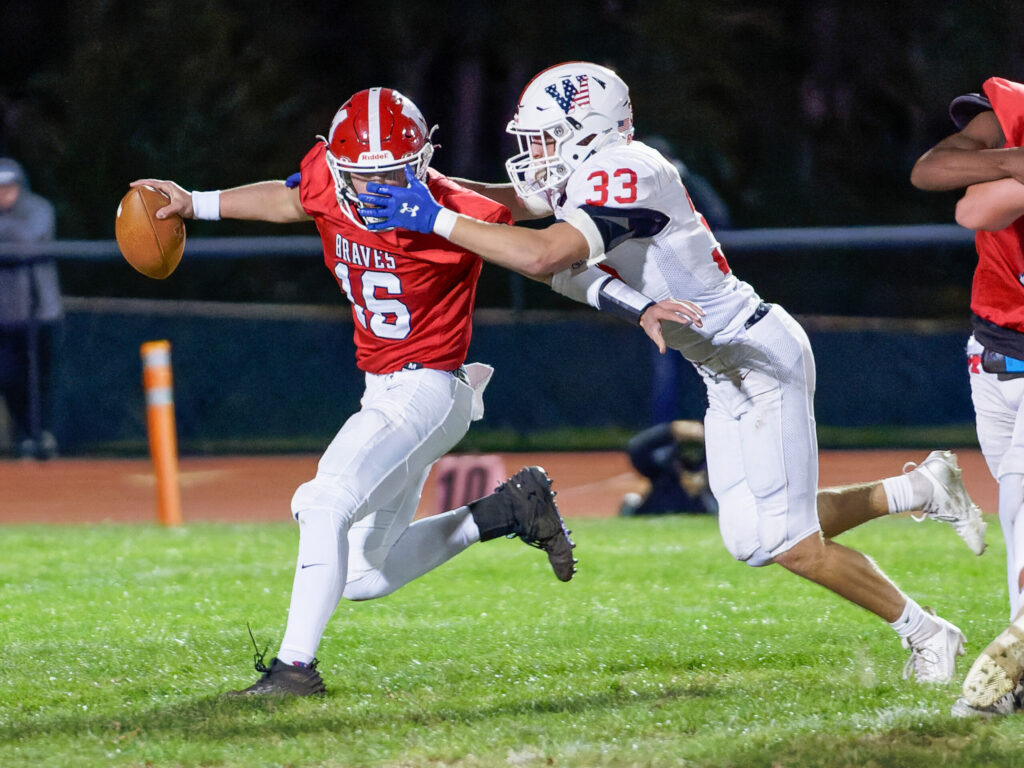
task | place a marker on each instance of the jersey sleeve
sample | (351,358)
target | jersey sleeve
(316,187)
(1007,99)
(616,191)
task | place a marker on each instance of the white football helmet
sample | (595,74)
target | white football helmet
(377,131)
(566,113)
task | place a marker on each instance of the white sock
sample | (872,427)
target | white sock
(899,492)
(914,624)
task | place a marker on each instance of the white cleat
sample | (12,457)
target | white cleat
(1007,704)
(934,659)
(949,502)
(999,668)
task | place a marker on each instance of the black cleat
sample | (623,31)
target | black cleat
(536,519)
(280,679)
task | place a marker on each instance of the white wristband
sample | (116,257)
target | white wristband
(206,205)
(444,223)
(579,284)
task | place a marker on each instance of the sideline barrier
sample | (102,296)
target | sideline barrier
(558,367)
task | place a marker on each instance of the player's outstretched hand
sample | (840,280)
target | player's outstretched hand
(671,311)
(180,199)
(411,207)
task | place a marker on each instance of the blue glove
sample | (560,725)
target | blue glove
(411,207)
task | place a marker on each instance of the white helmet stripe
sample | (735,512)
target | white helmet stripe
(373,108)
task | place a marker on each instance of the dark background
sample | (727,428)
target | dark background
(799,114)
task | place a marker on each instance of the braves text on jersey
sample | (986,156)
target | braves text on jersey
(411,294)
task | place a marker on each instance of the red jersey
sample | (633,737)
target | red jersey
(412,294)
(997,293)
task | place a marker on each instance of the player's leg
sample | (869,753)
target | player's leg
(999,417)
(934,642)
(792,518)
(841,508)
(992,685)
(777,421)
(375,466)
(935,488)
(389,550)
(405,423)
(521,506)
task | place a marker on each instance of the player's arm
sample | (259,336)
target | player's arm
(606,293)
(536,253)
(991,205)
(534,207)
(549,253)
(975,154)
(270,201)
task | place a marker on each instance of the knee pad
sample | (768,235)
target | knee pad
(318,494)
(744,545)
(759,559)
(367,586)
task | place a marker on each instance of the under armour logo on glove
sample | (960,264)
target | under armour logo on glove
(387,207)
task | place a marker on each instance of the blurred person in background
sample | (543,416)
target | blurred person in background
(628,240)
(672,460)
(985,158)
(30,306)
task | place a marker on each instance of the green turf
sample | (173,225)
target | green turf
(117,641)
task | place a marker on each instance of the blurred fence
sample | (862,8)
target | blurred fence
(267,375)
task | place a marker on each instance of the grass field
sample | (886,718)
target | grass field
(118,640)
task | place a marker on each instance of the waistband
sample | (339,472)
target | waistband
(459,373)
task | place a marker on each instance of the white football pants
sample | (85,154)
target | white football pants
(762,445)
(357,539)
(999,419)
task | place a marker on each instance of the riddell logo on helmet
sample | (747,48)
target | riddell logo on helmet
(369,157)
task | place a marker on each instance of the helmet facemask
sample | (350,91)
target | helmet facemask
(540,166)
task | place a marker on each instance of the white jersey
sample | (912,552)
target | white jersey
(630,204)
(656,242)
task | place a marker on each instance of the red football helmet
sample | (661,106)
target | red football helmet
(377,131)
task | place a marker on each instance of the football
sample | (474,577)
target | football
(153,246)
